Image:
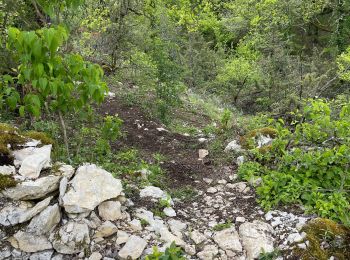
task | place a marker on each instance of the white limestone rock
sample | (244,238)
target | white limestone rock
(90,186)
(106,229)
(43,255)
(133,248)
(110,210)
(153,192)
(202,153)
(228,239)
(30,190)
(233,146)
(46,221)
(12,214)
(33,162)
(71,238)
(122,237)
(197,237)
(135,225)
(208,253)
(95,256)
(31,243)
(257,237)
(169,212)
(7,170)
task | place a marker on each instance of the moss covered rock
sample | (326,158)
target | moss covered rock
(40,136)
(6,181)
(248,141)
(326,238)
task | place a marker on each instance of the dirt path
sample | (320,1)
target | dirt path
(221,198)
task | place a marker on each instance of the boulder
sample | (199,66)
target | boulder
(31,243)
(110,210)
(71,238)
(30,190)
(228,239)
(133,248)
(12,214)
(256,238)
(90,186)
(35,160)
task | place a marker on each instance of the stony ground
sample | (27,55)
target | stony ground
(66,213)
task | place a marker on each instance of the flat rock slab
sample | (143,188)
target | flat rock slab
(133,248)
(30,190)
(90,187)
(12,215)
(32,243)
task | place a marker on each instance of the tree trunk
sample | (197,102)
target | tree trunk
(64,131)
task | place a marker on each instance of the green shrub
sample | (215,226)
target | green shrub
(45,77)
(171,253)
(307,163)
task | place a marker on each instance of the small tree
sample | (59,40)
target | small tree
(48,79)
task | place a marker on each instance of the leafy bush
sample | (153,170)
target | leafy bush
(45,78)
(307,163)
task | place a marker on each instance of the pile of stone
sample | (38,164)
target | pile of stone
(58,212)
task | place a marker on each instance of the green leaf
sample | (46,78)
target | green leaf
(22,111)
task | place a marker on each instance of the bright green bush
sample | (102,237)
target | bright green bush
(47,78)
(171,253)
(308,162)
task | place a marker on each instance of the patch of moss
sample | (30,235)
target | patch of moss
(12,139)
(39,136)
(6,182)
(265,149)
(326,238)
(247,141)
(6,128)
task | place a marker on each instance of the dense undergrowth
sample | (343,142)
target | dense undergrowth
(307,163)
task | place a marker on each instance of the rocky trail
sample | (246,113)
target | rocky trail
(58,212)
